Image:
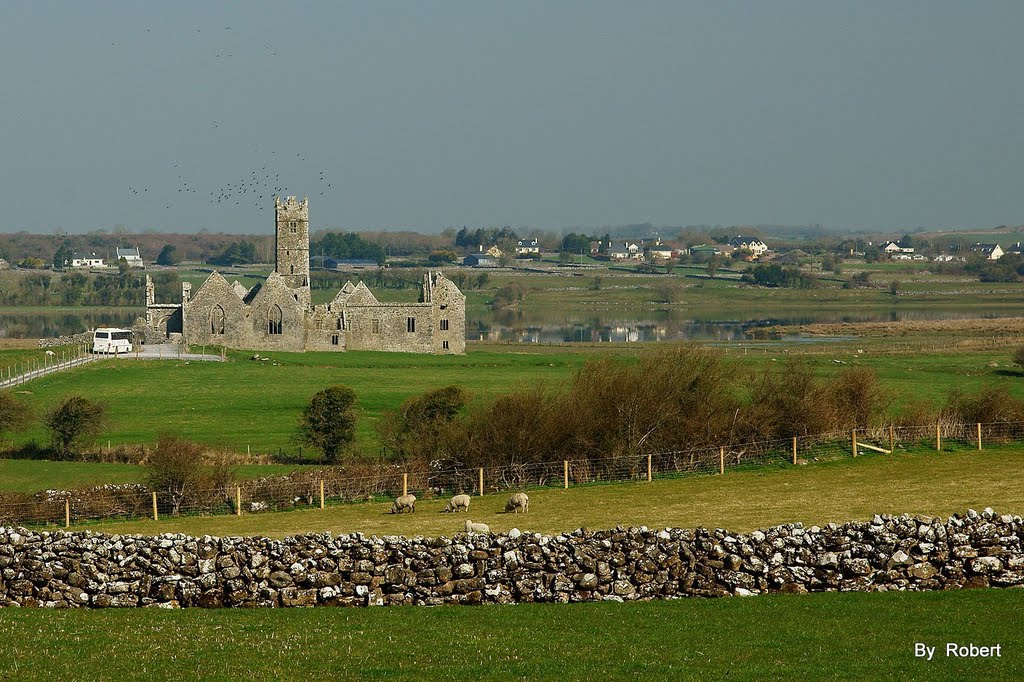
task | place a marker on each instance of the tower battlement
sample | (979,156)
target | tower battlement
(291,220)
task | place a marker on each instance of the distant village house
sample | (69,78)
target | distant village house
(894,248)
(527,246)
(85,260)
(989,251)
(756,247)
(131,256)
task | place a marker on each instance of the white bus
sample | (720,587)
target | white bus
(111,340)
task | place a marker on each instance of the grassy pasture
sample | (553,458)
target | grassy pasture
(918,482)
(30,475)
(243,402)
(820,636)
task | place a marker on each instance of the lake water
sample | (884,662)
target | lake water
(518,326)
(526,326)
(21,325)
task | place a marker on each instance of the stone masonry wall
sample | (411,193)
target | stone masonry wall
(80,339)
(83,569)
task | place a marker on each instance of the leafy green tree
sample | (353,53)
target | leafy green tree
(348,245)
(417,431)
(167,255)
(236,253)
(61,255)
(329,421)
(15,415)
(73,422)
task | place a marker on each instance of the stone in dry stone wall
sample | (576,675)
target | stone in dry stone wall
(83,569)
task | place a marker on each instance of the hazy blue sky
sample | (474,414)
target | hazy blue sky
(546,114)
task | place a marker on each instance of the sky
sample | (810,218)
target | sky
(426,115)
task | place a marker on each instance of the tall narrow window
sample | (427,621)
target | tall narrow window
(410,324)
(444,324)
(217,320)
(375,326)
(334,339)
(274,320)
(444,345)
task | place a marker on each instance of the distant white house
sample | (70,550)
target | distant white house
(625,251)
(661,252)
(524,246)
(755,246)
(85,260)
(989,251)
(132,256)
(894,247)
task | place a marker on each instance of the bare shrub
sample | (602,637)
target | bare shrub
(988,405)
(859,398)
(180,471)
(788,400)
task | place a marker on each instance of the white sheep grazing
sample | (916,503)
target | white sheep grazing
(404,503)
(516,502)
(477,527)
(457,503)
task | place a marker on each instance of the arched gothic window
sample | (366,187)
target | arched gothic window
(217,320)
(274,320)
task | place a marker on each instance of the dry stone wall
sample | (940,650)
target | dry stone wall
(83,569)
(80,339)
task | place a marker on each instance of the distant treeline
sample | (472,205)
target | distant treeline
(82,288)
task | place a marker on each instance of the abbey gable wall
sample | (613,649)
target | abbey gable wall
(277,314)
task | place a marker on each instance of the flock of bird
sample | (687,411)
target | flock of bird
(258,186)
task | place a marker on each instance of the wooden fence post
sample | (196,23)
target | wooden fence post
(892,439)
(794,450)
(481,481)
(649,472)
(938,436)
(721,460)
(67,512)
(405,484)
(321,493)
(853,441)
(238,500)
(979,435)
(565,473)
(156,515)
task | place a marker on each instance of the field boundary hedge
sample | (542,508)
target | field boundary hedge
(363,482)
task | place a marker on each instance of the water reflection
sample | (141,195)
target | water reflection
(522,326)
(42,326)
(531,326)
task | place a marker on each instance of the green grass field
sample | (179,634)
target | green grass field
(33,475)
(256,404)
(821,636)
(919,482)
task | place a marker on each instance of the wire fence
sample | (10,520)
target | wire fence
(320,487)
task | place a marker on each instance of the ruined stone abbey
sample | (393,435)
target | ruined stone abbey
(278,313)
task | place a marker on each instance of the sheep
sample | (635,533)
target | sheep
(477,527)
(516,502)
(404,503)
(457,503)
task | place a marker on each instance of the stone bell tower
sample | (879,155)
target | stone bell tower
(292,240)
